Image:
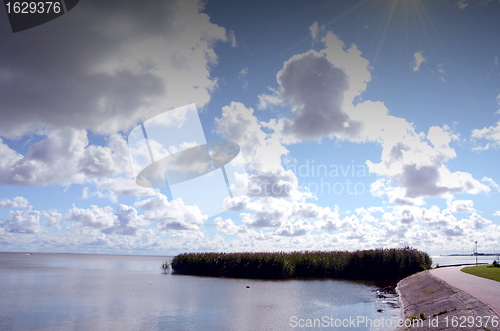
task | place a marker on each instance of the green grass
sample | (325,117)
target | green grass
(374,264)
(485,271)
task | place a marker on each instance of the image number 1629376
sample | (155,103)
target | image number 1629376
(25,15)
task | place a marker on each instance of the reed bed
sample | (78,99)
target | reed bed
(373,264)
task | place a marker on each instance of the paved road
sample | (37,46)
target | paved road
(485,290)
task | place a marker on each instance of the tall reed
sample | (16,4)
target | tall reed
(373,264)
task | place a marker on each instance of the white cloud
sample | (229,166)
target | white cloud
(239,124)
(54,218)
(17,202)
(492,134)
(461,206)
(497,213)
(95,217)
(128,222)
(269,100)
(491,183)
(228,226)
(414,163)
(171,215)
(299,228)
(25,221)
(474,222)
(63,157)
(419,59)
(409,161)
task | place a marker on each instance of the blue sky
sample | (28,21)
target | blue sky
(394,104)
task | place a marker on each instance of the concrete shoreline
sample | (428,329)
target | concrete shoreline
(422,292)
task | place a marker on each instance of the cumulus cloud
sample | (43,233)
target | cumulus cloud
(63,157)
(127,222)
(17,202)
(461,206)
(491,134)
(299,228)
(171,215)
(315,89)
(239,124)
(25,221)
(475,221)
(271,212)
(275,182)
(53,217)
(318,86)
(228,226)
(94,217)
(410,161)
(262,153)
(117,63)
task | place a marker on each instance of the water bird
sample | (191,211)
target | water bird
(248,286)
(150,283)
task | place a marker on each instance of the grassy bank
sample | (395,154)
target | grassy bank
(375,264)
(485,271)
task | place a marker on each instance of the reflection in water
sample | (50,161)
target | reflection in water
(104,292)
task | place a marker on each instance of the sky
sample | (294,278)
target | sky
(360,124)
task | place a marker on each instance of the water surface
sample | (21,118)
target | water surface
(112,292)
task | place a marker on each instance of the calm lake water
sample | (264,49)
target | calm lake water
(451,260)
(110,292)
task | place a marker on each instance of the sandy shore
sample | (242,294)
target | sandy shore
(423,292)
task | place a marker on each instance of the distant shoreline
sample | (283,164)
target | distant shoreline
(478,254)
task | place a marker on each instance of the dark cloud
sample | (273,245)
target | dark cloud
(89,68)
(422,181)
(315,88)
(407,217)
